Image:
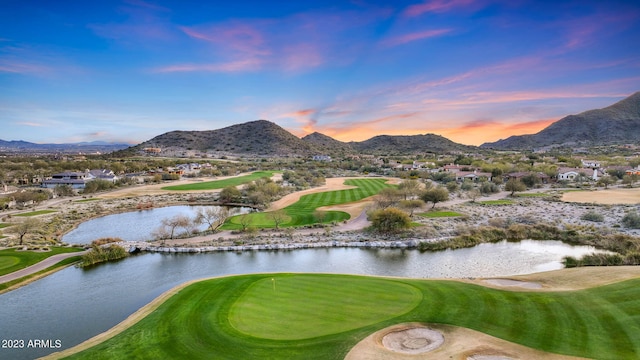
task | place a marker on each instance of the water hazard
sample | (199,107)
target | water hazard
(73,305)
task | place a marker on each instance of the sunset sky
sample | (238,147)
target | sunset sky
(470,70)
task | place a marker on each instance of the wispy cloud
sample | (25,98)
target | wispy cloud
(228,67)
(435,6)
(414,36)
(30,124)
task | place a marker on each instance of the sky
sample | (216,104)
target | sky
(473,71)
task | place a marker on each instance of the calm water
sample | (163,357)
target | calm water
(132,226)
(73,305)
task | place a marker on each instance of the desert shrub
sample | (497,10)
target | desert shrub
(103,241)
(500,222)
(592,216)
(489,188)
(389,220)
(99,254)
(631,220)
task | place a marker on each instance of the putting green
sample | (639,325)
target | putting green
(8,261)
(284,308)
(231,317)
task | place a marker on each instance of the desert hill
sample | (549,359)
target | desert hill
(615,124)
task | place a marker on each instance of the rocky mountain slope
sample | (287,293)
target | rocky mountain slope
(615,124)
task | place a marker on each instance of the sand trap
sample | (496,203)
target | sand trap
(489,357)
(607,197)
(415,340)
(513,283)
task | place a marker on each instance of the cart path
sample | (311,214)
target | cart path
(48,262)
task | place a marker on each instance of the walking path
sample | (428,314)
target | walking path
(44,264)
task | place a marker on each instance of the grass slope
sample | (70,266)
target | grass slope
(302,212)
(12,260)
(221,184)
(35,213)
(238,317)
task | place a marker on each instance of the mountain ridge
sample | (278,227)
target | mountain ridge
(617,123)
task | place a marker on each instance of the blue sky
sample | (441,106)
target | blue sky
(470,70)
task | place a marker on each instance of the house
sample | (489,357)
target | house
(544,178)
(101,174)
(472,175)
(326,158)
(77,180)
(572,174)
(594,164)
(635,171)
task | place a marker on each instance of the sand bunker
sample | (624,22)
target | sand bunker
(514,283)
(607,197)
(415,340)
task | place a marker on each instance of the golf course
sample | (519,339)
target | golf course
(323,316)
(303,212)
(221,184)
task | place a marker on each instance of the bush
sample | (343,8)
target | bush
(389,220)
(592,216)
(99,254)
(631,220)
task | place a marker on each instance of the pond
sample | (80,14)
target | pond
(73,305)
(135,225)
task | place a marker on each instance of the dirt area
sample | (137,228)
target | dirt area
(605,197)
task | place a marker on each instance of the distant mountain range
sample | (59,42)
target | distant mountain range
(615,124)
(264,138)
(81,147)
(618,123)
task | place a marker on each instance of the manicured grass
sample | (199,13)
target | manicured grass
(34,213)
(313,316)
(495,202)
(220,184)
(4,225)
(302,212)
(12,260)
(438,214)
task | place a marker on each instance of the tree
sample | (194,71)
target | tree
(388,197)
(411,205)
(514,185)
(409,188)
(473,194)
(278,217)
(389,220)
(531,180)
(606,181)
(435,195)
(213,216)
(178,221)
(230,195)
(245,220)
(319,216)
(30,225)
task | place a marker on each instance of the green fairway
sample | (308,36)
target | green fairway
(532,195)
(4,225)
(313,316)
(439,214)
(302,212)
(12,260)
(34,213)
(221,184)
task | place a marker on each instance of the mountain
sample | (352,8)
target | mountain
(264,138)
(260,137)
(409,144)
(328,144)
(615,124)
(82,147)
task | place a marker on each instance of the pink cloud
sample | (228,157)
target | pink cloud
(436,6)
(407,38)
(227,67)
